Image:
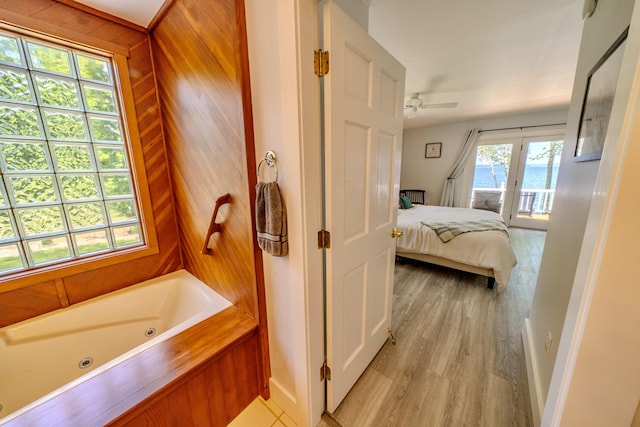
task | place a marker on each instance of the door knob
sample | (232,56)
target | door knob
(396,233)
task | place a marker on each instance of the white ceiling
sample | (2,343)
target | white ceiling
(491,56)
(139,12)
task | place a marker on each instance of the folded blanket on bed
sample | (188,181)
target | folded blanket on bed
(448,230)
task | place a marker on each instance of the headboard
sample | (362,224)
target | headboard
(416,196)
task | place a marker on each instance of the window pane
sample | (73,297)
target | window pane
(58,92)
(48,250)
(91,241)
(122,210)
(68,126)
(79,187)
(49,58)
(24,156)
(6,228)
(67,189)
(37,221)
(14,85)
(32,189)
(104,129)
(9,51)
(117,185)
(16,121)
(86,215)
(10,258)
(111,158)
(94,69)
(72,157)
(127,236)
(100,99)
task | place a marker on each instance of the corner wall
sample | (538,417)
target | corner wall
(574,194)
(282,36)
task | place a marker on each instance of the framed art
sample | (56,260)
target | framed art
(433,150)
(598,101)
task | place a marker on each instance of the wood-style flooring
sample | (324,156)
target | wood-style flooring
(459,359)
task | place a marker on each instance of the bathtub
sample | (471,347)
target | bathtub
(49,354)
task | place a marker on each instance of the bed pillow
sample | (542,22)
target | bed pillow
(405,203)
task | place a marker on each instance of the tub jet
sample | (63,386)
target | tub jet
(150,332)
(85,363)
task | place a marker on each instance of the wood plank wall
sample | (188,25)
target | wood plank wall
(202,67)
(53,18)
(197,54)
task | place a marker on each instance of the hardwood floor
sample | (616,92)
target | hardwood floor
(459,359)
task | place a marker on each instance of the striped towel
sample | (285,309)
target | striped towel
(271,219)
(450,229)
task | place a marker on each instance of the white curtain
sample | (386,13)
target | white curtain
(449,190)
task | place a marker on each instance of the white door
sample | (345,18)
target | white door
(363,95)
(535,185)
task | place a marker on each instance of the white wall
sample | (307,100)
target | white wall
(285,104)
(358,10)
(574,196)
(596,377)
(430,174)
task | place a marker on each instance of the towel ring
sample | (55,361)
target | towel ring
(270,159)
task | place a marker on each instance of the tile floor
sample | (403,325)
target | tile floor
(263,413)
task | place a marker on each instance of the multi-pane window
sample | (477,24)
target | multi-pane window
(67,189)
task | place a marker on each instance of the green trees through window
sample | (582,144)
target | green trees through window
(66,190)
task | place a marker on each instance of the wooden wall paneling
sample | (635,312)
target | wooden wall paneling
(195,48)
(56,19)
(24,303)
(211,396)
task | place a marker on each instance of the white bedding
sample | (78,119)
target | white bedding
(487,249)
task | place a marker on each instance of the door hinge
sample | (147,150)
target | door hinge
(324,239)
(321,62)
(325,372)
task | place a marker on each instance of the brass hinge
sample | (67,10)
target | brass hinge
(324,239)
(325,372)
(321,62)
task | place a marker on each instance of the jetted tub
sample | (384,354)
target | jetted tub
(49,354)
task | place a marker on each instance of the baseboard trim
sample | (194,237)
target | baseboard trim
(533,374)
(284,399)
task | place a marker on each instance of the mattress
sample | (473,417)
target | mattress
(490,249)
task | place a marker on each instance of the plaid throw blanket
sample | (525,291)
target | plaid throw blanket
(448,230)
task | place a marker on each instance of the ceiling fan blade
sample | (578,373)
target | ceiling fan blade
(442,105)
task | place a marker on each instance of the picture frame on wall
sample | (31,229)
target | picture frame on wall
(433,150)
(598,102)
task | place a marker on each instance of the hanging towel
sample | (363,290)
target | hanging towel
(271,219)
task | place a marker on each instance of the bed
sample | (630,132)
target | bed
(487,253)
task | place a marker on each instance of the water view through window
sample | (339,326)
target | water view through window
(537,172)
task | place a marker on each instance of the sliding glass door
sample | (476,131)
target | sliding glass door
(516,177)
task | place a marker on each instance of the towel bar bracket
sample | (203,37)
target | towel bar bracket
(270,159)
(215,227)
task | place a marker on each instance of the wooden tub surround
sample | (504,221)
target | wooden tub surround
(191,103)
(188,380)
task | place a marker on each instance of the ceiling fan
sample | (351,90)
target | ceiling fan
(416,102)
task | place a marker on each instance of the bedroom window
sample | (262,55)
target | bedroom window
(67,188)
(516,176)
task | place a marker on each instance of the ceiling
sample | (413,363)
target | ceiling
(491,57)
